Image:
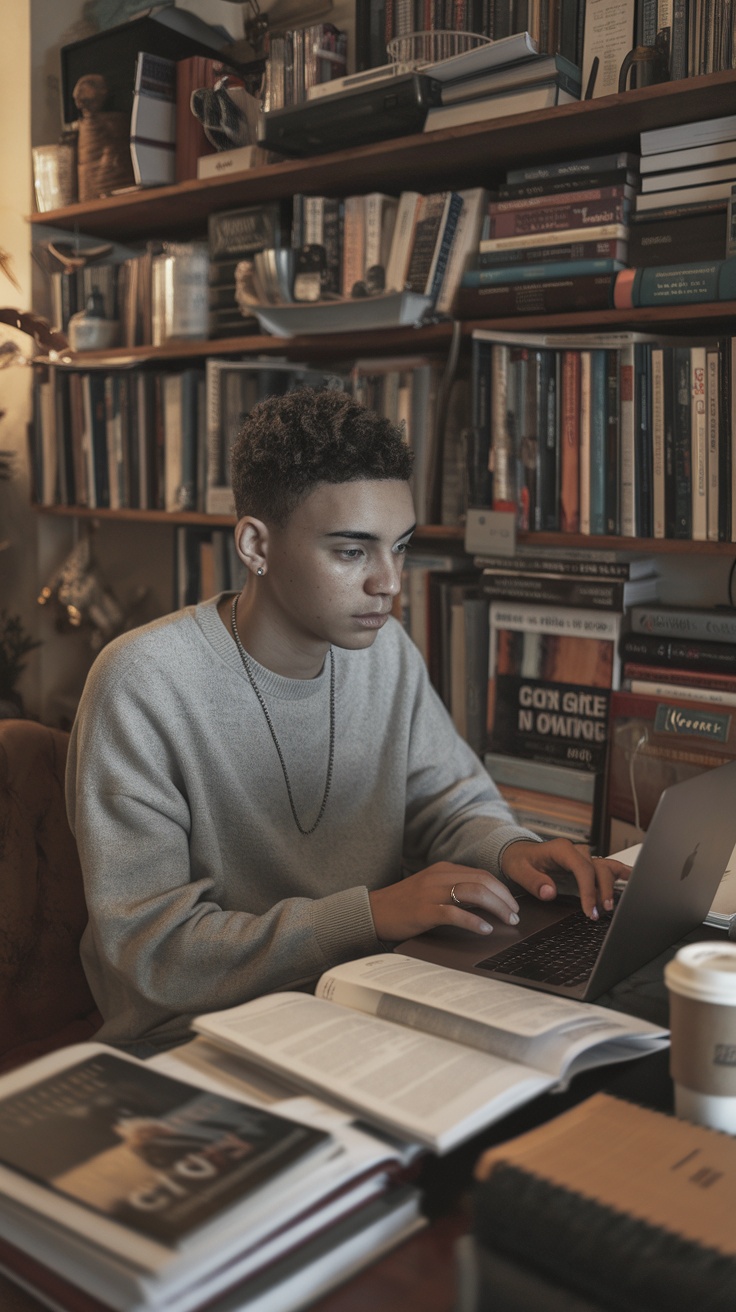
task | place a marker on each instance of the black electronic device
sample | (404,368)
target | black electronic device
(395,107)
(113,53)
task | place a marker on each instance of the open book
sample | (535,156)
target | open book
(430,1053)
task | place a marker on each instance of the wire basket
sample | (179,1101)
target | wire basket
(419,48)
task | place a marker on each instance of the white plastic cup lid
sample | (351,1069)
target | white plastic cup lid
(704,971)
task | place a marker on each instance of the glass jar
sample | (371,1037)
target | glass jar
(179,292)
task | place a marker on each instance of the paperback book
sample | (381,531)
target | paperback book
(427,1052)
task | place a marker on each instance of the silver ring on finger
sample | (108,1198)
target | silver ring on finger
(453,898)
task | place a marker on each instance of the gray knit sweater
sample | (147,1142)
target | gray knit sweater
(201,891)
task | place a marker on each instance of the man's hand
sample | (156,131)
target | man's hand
(534,865)
(424,900)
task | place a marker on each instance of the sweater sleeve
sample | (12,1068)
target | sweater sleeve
(159,947)
(454,810)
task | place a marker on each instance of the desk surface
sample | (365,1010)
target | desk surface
(420,1273)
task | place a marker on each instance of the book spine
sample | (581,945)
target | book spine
(570,443)
(585,419)
(548,499)
(598,443)
(580,568)
(682,450)
(713,439)
(682,692)
(535,272)
(688,678)
(444,246)
(698,445)
(502,451)
(685,654)
(547,201)
(606,249)
(669,442)
(574,168)
(643,438)
(591,291)
(556,237)
(627,473)
(658,497)
(656,244)
(726,435)
(612,501)
(703,625)
(558,217)
(685,284)
(565,185)
(598,594)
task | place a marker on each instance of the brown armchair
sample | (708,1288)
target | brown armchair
(44,998)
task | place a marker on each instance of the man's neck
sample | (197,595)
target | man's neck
(263,640)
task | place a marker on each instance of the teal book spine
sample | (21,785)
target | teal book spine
(676,284)
(598,426)
(532,272)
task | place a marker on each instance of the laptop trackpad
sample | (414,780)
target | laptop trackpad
(447,946)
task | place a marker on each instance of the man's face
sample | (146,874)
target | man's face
(335,567)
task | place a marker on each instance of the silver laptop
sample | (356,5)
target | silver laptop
(669,892)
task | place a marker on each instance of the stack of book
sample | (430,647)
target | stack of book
(673,717)
(509,76)
(548,738)
(153,121)
(553,239)
(692,164)
(127,1189)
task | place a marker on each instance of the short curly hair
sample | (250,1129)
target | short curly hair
(288,444)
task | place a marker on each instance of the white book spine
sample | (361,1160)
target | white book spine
(658,524)
(713,406)
(698,443)
(563,237)
(314,220)
(501,455)
(585,441)
(398,260)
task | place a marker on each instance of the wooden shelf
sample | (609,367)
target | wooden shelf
(475,154)
(714,317)
(452,535)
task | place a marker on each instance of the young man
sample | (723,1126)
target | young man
(253,780)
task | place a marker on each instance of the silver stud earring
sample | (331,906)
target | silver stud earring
(260,571)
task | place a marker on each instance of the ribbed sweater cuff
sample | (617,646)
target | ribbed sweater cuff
(343,926)
(499,839)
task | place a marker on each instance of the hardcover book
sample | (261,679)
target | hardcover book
(550,674)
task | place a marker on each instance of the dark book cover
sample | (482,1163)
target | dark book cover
(159,1156)
(690,653)
(674,241)
(548,500)
(426,234)
(601,594)
(570,443)
(562,185)
(611,248)
(244,231)
(95,404)
(643,438)
(592,291)
(478,474)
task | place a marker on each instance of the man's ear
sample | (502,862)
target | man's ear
(251,544)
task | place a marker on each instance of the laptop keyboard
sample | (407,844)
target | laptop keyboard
(563,953)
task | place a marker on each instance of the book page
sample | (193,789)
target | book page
(420,1086)
(522,1025)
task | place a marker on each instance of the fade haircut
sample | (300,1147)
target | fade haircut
(289,444)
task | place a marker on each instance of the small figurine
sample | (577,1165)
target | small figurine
(103,158)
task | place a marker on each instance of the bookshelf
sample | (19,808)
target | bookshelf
(470,155)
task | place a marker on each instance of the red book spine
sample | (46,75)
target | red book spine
(555,218)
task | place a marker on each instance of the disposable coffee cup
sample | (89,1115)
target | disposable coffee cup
(701,980)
